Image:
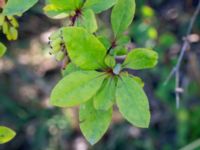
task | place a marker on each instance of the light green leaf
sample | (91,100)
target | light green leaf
(67,4)
(70,68)
(93,123)
(16,7)
(99,5)
(54,12)
(2,49)
(110,61)
(122,16)
(132,102)
(141,58)
(6,134)
(87,20)
(138,80)
(76,88)
(84,49)
(105,97)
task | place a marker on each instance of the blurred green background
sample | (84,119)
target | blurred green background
(28,73)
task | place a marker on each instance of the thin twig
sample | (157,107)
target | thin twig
(177,89)
(185,45)
(176,70)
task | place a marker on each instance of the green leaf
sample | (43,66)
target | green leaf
(105,41)
(2,49)
(16,7)
(76,88)
(105,97)
(84,49)
(54,12)
(70,68)
(122,16)
(118,51)
(6,134)
(99,5)
(93,123)
(123,40)
(141,58)
(138,80)
(67,4)
(87,20)
(132,102)
(110,61)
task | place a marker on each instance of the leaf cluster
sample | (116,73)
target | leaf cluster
(94,80)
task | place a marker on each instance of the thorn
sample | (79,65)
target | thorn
(179,90)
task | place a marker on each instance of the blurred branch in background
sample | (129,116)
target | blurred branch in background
(192,146)
(176,70)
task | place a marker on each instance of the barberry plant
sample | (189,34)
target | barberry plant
(93,78)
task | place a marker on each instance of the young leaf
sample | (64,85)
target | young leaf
(6,134)
(16,7)
(93,123)
(84,49)
(132,102)
(2,49)
(105,97)
(122,16)
(99,5)
(76,88)
(87,20)
(141,58)
(123,40)
(54,12)
(67,4)
(110,61)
